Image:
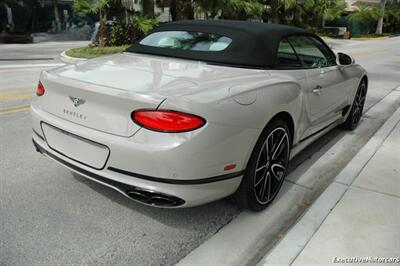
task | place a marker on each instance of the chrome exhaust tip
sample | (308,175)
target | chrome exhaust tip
(154,198)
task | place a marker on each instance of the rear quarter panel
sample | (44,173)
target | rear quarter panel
(249,104)
(240,123)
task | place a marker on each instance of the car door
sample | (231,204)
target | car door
(326,96)
(288,64)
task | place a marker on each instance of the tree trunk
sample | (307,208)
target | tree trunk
(181,10)
(296,16)
(379,26)
(148,7)
(102,35)
(314,23)
(33,17)
(275,11)
(56,15)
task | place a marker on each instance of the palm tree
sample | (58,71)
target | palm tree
(316,12)
(56,15)
(181,9)
(333,10)
(276,7)
(230,9)
(379,26)
(240,9)
(367,15)
(98,7)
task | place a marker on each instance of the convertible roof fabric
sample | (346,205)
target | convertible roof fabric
(254,44)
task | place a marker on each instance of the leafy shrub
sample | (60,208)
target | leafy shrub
(123,34)
(120,34)
(143,24)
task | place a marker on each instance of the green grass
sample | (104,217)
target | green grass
(92,52)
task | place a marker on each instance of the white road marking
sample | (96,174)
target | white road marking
(31,65)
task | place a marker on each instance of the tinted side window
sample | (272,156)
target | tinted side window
(310,55)
(286,56)
(326,51)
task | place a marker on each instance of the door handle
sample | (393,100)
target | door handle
(317,90)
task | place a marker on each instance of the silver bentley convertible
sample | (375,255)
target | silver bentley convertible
(197,111)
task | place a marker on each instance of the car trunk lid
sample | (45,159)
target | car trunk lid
(95,106)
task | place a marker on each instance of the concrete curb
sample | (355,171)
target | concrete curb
(370,38)
(71,60)
(358,38)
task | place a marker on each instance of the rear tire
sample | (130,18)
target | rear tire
(266,169)
(356,110)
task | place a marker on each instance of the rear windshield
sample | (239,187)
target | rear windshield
(187,40)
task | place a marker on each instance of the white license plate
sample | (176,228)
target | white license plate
(76,148)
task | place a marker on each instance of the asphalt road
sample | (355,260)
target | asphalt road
(48,217)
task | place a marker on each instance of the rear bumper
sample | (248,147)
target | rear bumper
(141,195)
(145,188)
(159,193)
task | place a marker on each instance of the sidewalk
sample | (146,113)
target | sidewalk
(357,216)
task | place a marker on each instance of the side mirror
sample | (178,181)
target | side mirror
(344,59)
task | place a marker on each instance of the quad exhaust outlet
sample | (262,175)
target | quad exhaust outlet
(154,198)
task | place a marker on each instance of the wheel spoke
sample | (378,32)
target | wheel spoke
(266,151)
(360,98)
(269,187)
(279,147)
(265,183)
(260,168)
(263,189)
(259,181)
(361,101)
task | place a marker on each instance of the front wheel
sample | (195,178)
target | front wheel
(356,110)
(266,169)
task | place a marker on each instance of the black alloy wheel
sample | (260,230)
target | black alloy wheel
(266,169)
(357,108)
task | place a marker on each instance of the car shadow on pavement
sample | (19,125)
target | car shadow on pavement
(315,149)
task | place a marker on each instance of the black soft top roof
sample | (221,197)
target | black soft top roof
(254,44)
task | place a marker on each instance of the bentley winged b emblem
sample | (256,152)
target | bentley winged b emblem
(77,101)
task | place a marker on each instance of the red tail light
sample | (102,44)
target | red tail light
(40,89)
(167,121)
